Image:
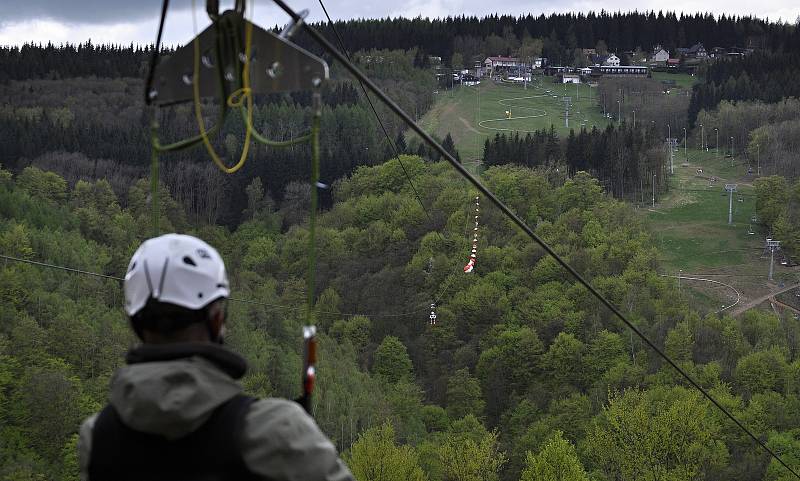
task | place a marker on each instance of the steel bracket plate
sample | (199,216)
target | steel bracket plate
(276,65)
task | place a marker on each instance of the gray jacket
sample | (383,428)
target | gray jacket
(161,392)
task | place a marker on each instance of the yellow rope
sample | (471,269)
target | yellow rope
(244,92)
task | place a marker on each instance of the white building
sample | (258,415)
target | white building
(659,55)
(494,64)
(612,61)
(570,78)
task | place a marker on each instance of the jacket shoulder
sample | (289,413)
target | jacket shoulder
(280,441)
(85,445)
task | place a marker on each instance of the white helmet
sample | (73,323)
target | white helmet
(176,269)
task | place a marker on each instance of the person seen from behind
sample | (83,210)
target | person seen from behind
(176,410)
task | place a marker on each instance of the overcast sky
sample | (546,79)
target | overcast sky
(126,21)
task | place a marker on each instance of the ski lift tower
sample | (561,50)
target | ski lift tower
(567,103)
(772,245)
(731,188)
(672,144)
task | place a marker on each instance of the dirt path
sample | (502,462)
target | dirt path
(753,303)
(468,125)
(785,306)
(432,119)
(712,281)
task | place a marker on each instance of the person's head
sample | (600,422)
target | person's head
(175,290)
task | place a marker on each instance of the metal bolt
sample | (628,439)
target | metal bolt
(275,70)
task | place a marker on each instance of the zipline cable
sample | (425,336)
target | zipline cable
(232,299)
(377,117)
(156,51)
(520,223)
(67,269)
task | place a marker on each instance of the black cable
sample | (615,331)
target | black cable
(518,221)
(232,299)
(156,52)
(377,117)
(68,269)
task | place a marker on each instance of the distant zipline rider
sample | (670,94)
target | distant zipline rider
(176,411)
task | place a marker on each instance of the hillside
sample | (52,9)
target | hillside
(520,374)
(372,309)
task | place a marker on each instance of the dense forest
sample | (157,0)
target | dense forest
(91,127)
(522,373)
(624,159)
(767,77)
(561,33)
(557,35)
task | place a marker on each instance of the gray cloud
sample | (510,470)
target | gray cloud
(79,11)
(115,11)
(123,21)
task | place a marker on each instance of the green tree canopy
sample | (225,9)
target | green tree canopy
(556,461)
(376,457)
(391,360)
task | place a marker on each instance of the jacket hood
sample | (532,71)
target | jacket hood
(172,389)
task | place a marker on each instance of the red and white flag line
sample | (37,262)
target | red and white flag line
(473,256)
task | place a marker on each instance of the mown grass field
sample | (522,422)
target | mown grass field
(690,227)
(690,223)
(681,80)
(473,114)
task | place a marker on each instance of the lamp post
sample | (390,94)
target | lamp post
(654,191)
(702,138)
(685,151)
(669,146)
(619,111)
(716,131)
(634,119)
(758,160)
(731,151)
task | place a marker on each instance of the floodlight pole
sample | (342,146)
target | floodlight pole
(702,138)
(641,189)
(669,146)
(685,146)
(758,160)
(654,191)
(731,188)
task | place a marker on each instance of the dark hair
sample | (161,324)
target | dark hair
(166,318)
